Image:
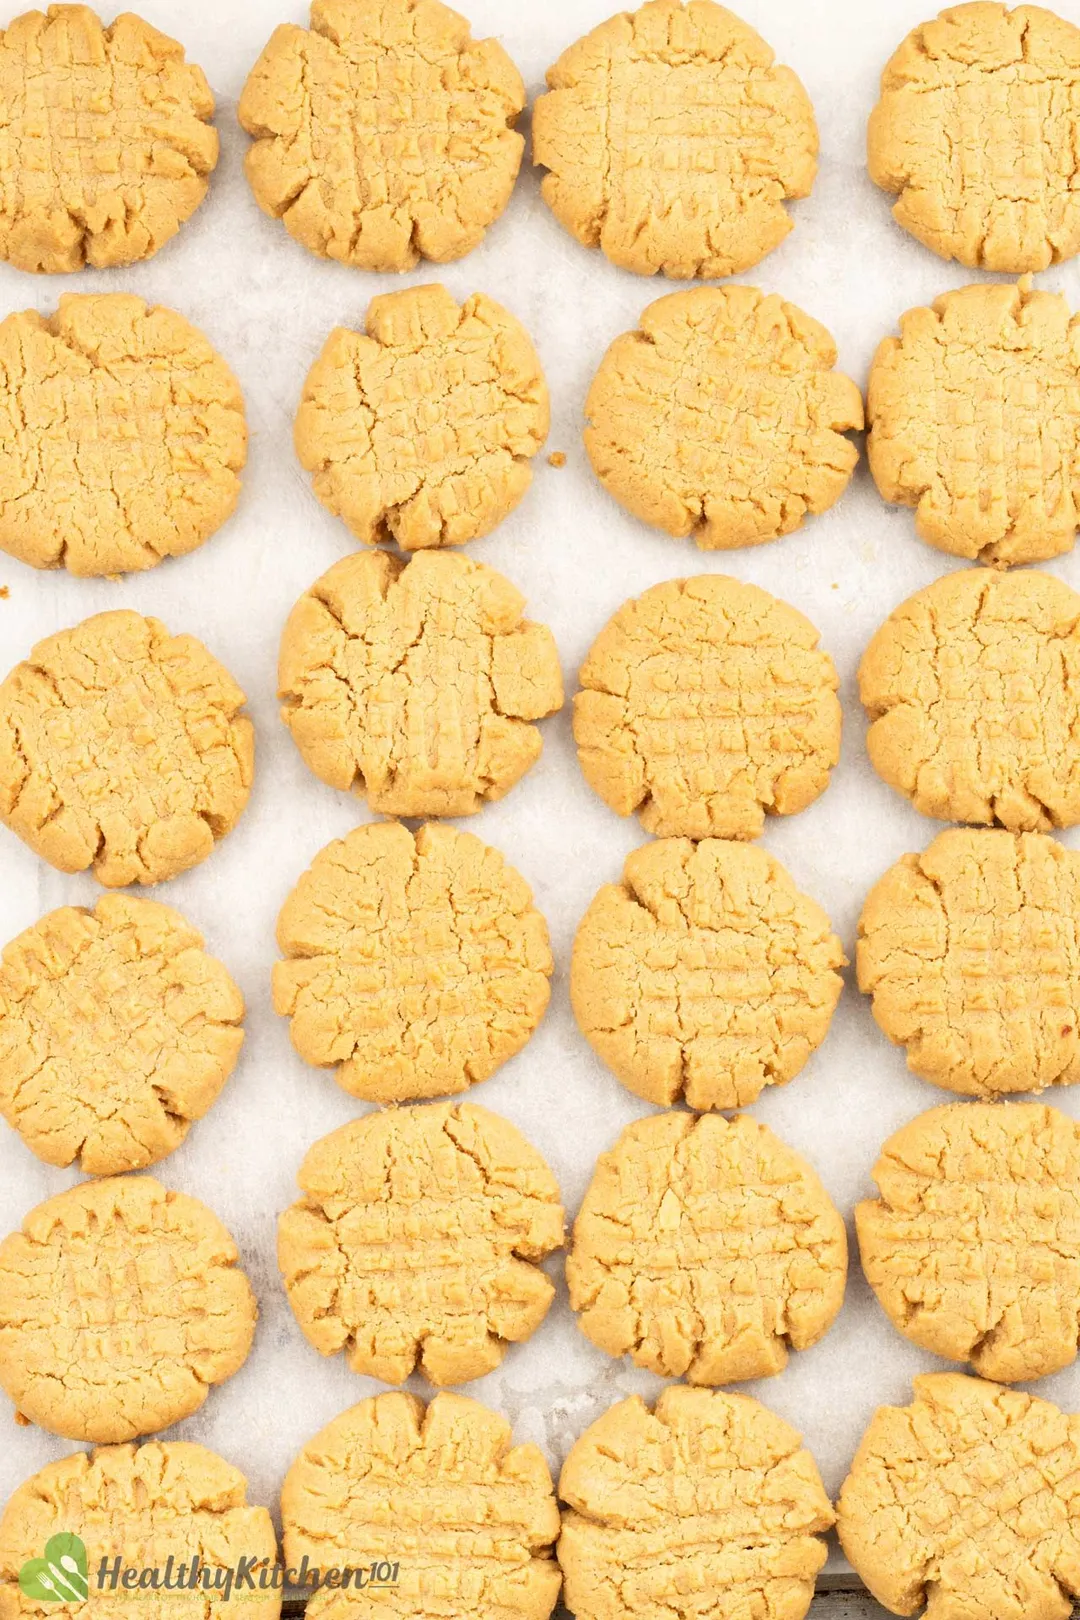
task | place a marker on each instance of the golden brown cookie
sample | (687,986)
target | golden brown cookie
(973,691)
(107,142)
(384,133)
(121,1304)
(117,1030)
(122,748)
(706,705)
(468,1517)
(973,1246)
(144,1505)
(966,1501)
(122,435)
(704,974)
(412,1243)
(415,966)
(970,952)
(974,414)
(976,134)
(708,1505)
(673,140)
(704,1248)
(422,426)
(721,417)
(416,684)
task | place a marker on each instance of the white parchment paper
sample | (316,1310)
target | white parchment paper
(268,305)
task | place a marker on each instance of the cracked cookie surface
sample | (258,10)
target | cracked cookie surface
(122,748)
(473,1516)
(673,140)
(422,426)
(107,144)
(416,684)
(704,974)
(966,1500)
(383,133)
(974,414)
(122,436)
(121,1304)
(415,966)
(971,953)
(976,134)
(973,1245)
(704,1248)
(709,1504)
(117,1030)
(707,704)
(721,417)
(145,1504)
(416,1240)
(973,691)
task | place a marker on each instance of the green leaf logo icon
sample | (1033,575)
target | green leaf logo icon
(59,1577)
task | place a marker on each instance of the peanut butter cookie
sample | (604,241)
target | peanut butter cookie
(976,134)
(122,436)
(413,1241)
(384,132)
(116,1031)
(973,1247)
(108,145)
(974,415)
(673,141)
(415,965)
(416,683)
(721,417)
(973,691)
(706,705)
(144,1505)
(704,1248)
(422,426)
(970,952)
(471,1517)
(708,1504)
(121,1304)
(704,974)
(966,1501)
(122,748)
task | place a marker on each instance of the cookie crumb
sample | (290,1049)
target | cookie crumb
(557,458)
(5,592)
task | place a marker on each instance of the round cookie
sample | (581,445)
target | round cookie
(966,1500)
(707,1504)
(121,1304)
(975,134)
(144,1505)
(422,426)
(415,966)
(673,140)
(704,974)
(707,704)
(471,1517)
(413,1241)
(122,748)
(721,417)
(416,684)
(117,1030)
(704,1248)
(974,414)
(108,146)
(973,1246)
(384,133)
(972,690)
(122,436)
(969,953)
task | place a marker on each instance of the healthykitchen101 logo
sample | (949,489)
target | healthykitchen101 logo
(62,1576)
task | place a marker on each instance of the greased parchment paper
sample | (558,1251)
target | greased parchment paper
(267,305)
